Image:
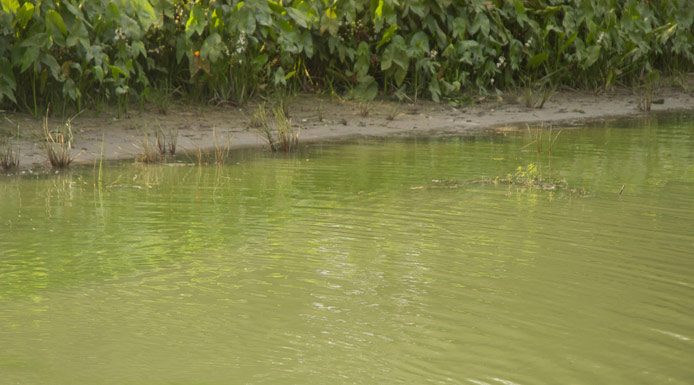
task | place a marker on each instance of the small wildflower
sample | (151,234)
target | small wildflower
(501,62)
(527,43)
(241,43)
(197,53)
(601,37)
(120,35)
(433,54)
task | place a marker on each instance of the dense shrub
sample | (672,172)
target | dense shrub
(95,51)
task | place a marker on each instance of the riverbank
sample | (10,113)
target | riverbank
(320,118)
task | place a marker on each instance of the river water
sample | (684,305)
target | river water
(365,262)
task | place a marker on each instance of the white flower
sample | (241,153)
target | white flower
(601,37)
(527,43)
(241,44)
(120,35)
(433,53)
(501,62)
(492,81)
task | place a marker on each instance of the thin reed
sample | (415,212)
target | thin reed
(166,142)
(221,152)
(149,149)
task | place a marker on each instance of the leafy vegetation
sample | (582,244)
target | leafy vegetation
(87,53)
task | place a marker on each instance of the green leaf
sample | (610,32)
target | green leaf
(307,43)
(363,62)
(459,27)
(98,73)
(420,43)
(366,90)
(537,60)
(8,83)
(117,72)
(70,90)
(52,65)
(30,56)
(481,24)
(145,12)
(387,35)
(78,34)
(54,18)
(259,61)
(395,53)
(592,55)
(276,8)
(10,6)
(299,16)
(567,43)
(400,74)
(138,48)
(212,48)
(112,13)
(329,22)
(435,90)
(279,77)
(196,21)
(24,14)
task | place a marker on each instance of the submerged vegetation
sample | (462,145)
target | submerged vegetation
(95,52)
(531,177)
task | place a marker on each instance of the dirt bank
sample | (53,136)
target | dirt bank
(320,118)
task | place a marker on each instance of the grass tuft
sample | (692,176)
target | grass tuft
(280,136)
(9,159)
(57,144)
(364,108)
(166,142)
(221,153)
(150,149)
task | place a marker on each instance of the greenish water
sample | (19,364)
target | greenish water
(347,264)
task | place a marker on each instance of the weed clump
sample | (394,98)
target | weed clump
(647,88)
(280,135)
(166,142)
(150,150)
(9,158)
(57,144)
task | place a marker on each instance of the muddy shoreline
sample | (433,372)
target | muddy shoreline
(321,118)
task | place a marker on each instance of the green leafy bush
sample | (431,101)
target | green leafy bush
(90,52)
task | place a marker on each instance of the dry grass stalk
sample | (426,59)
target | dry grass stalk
(393,113)
(9,158)
(150,150)
(364,108)
(166,142)
(280,136)
(58,144)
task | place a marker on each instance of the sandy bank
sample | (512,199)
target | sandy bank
(340,119)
